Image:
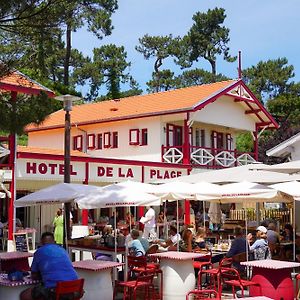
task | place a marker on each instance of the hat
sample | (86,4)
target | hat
(263,229)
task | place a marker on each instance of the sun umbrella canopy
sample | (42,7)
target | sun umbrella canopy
(59,193)
(291,167)
(292,188)
(175,191)
(242,191)
(251,173)
(116,195)
(135,185)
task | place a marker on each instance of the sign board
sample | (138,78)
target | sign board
(21,242)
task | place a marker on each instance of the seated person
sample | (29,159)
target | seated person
(129,219)
(272,235)
(51,264)
(135,246)
(238,246)
(199,238)
(260,247)
(187,243)
(107,230)
(173,239)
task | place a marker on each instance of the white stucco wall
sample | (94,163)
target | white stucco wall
(225,112)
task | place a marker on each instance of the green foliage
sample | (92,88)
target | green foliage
(244,142)
(109,67)
(25,110)
(207,39)
(198,77)
(269,79)
(162,81)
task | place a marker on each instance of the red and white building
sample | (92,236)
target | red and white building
(145,138)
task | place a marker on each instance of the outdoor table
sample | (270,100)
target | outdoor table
(14,261)
(11,290)
(97,276)
(274,277)
(178,273)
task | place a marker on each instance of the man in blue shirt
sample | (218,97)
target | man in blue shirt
(51,264)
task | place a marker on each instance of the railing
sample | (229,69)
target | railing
(208,157)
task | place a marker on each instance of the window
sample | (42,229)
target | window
(229,142)
(91,141)
(77,142)
(144,137)
(134,137)
(99,141)
(200,137)
(106,137)
(114,139)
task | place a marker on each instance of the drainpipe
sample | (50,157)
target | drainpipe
(186,141)
(84,212)
(84,142)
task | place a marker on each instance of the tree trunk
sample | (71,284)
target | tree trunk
(213,69)
(68,55)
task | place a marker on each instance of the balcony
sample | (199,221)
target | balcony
(208,157)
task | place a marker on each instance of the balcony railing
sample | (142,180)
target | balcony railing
(208,157)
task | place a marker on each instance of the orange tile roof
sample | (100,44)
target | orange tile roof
(179,100)
(17,81)
(37,150)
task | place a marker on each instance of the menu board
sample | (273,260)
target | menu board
(21,242)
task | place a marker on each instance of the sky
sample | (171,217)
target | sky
(260,29)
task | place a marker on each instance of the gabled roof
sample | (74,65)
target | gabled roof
(285,147)
(19,82)
(175,101)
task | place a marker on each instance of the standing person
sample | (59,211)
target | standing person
(51,264)
(58,224)
(149,221)
(260,247)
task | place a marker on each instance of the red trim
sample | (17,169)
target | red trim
(24,90)
(106,140)
(99,141)
(252,111)
(187,212)
(134,140)
(260,105)
(41,156)
(186,142)
(78,142)
(144,137)
(91,137)
(115,141)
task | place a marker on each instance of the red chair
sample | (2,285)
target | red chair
(202,262)
(143,281)
(139,264)
(74,287)
(214,274)
(203,294)
(232,277)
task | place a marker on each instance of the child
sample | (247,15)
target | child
(135,246)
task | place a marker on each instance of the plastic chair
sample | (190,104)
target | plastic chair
(144,280)
(232,277)
(74,287)
(214,274)
(202,262)
(140,264)
(203,294)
